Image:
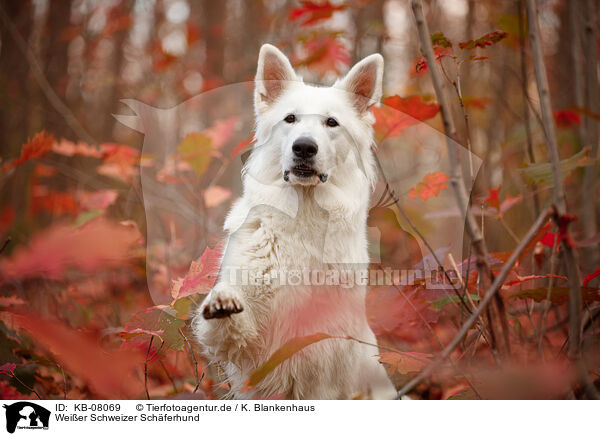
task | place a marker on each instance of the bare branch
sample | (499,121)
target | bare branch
(488,297)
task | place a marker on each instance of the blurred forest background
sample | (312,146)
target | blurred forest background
(78,320)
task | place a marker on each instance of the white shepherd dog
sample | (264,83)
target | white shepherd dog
(302,216)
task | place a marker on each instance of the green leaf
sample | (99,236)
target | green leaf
(183,307)
(438,305)
(288,349)
(438,39)
(541,173)
(86,216)
(197,149)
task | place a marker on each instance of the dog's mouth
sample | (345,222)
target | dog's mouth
(303,170)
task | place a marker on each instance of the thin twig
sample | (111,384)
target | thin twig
(162,365)
(13,375)
(64,381)
(195,362)
(488,297)
(5,244)
(146,368)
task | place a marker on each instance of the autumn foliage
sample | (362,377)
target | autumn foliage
(77,264)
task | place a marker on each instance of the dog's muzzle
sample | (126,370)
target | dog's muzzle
(304,150)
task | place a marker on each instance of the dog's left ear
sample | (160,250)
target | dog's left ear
(364,82)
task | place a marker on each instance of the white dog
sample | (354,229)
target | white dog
(302,215)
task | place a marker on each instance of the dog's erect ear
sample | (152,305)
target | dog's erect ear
(272,76)
(364,82)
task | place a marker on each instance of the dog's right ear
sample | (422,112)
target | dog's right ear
(272,76)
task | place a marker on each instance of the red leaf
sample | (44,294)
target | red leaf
(397,113)
(201,276)
(548,239)
(120,161)
(242,145)
(431,186)
(314,12)
(52,252)
(54,202)
(221,131)
(68,148)
(484,41)
(324,54)
(109,375)
(566,119)
(591,276)
(36,147)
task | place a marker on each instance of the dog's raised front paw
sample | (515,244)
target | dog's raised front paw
(221,305)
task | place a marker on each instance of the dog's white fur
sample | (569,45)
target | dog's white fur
(302,223)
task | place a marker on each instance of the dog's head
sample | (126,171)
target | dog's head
(311,131)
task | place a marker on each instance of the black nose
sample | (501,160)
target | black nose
(304,148)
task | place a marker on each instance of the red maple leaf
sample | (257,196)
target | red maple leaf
(314,12)
(36,147)
(201,275)
(431,186)
(397,113)
(324,54)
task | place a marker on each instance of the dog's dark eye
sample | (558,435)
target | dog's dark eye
(291,118)
(331,122)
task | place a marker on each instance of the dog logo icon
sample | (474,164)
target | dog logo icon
(26,415)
